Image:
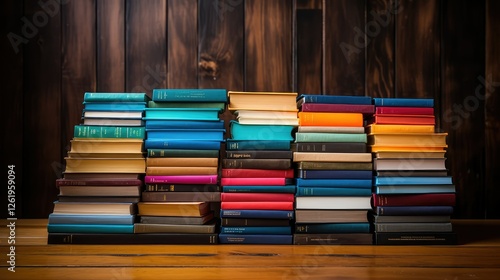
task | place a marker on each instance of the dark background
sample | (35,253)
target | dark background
(446,50)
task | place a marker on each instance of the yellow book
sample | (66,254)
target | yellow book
(414,139)
(270,101)
(397,128)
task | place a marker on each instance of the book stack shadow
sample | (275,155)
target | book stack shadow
(102,179)
(184,133)
(257,176)
(413,195)
(333,170)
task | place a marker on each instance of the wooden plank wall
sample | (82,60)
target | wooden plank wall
(53,51)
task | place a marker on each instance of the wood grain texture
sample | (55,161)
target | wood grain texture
(418,48)
(462,109)
(381,51)
(492,114)
(309,50)
(42,121)
(146,45)
(110,45)
(344,44)
(268,45)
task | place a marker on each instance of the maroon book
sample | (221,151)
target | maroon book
(405,110)
(257,173)
(338,108)
(434,199)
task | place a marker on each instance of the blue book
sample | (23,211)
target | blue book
(176,124)
(333,228)
(199,114)
(414,189)
(255,239)
(89,228)
(181,144)
(116,106)
(260,189)
(333,99)
(257,145)
(326,191)
(258,214)
(335,174)
(190,95)
(260,132)
(186,134)
(338,183)
(115,97)
(257,230)
(379,181)
(413,210)
(404,102)
(90,219)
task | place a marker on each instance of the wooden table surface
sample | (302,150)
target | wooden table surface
(476,257)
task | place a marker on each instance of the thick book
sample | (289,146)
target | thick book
(257,205)
(186,134)
(259,189)
(180,179)
(404,110)
(330,137)
(189,95)
(267,117)
(255,222)
(97,182)
(333,202)
(410,219)
(257,121)
(113,114)
(112,122)
(256,181)
(415,149)
(114,106)
(256,230)
(397,128)
(333,129)
(333,239)
(330,119)
(332,191)
(190,114)
(100,190)
(259,154)
(99,199)
(181,144)
(410,155)
(185,104)
(105,165)
(270,101)
(337,108)
(380,164)
(333,99)
(433,199)
(413,210)
(176,124)
(181,170)
(404,119)
(232,144)
(159,187)
(91,146)
(325,147)
(247,197)
(333,228)
(401,180)
(337,183)
(260,132)
(257,173)
(404,102)
(414,189)
(85,219)
(109,208)
(177,220)
(331,216)
(102,176)
(412,227)
(332,157)
(418,238)
(405,139)
(192,209)
(140,228)
(115,97)
(256,214)
(413,173)
(180,196)
(91,131)
(262,163)
(255,239)
(334,174)
(104,155)
(90,228)
(127,239)
(182,161)
(182,153)
(334,165)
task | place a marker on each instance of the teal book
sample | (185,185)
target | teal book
(93,131)
(217,105)
(90,219)
(259,189)
(181,144)
(257,144)
(89,228)
(333,228)
(327,191)
(115,97)
(330,137)
(333,99)
(256,230)
(260,132)
(186,134)
(414,189)
(114,106)
(445,180)
(206,114)
(190,95)
(335,183)
(175,124)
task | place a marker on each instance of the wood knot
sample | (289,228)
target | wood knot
(209,66)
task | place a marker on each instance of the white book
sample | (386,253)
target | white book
(333,202)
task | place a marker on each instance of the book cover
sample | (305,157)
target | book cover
(194,114)
(232,144)
(255,239)
(414,189)
(332,157)
(334,174)
(404,102)
(338,183)
(338,108)
(379,181)
(177,124)
(181,179)
(333,228)
(434,199)
(152,187)
(271,101)
(260,132)
(256,181)
(330,137)
(412,227)
(181,144)
(187,134)
(404,110)
(255,222)
(257,173)
(330,119)
(413,210)
(182,153)
(256,230)
(248,197)
(333,239)
(190,95)
(192,209)
(127,239)
(90,228)
(260,189)
(140,228)
(325,147)
(420,238)
(115,97)
(333,99)
(256,214)
(331,191)
(89,219)
(257,205)
(259,154)
(331,216)
(333,202)
(159,196)
(90,131)
(262,163)
(114,106)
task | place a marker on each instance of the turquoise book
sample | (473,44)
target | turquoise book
(330,137)
(94,131)
(333,228)
(217,105)
(327,191)
(115,97)
(190,95)
(206,114)
(260,132)
(89,228)
(414,189)
(114,106)
(90,219)
(181,144)
(186,134)
(445,180)
(176,124)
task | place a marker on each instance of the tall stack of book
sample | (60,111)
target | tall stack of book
(413,195)
(334,170)
(103,174)
(184,135)
(257,175)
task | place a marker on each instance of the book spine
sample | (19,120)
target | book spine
(257,205)
(256,173)
(257,230)
(190,95)
(242,197)
(90,219)
(334,174)
(380,181)
(69,182)
(330,119)
(181,144)
(413,227)
(336,99)
(256,214)
(332,157)
(405,110)
(335,165)
(259,189)
(195,179)
(333,239)
(413,210)
(89,228)
(239,222)
(340,183)
(182,162)
(338,108)
(333,228)
(257,145)
(259,154)
(256,181)
(257,163)
(185,104)
(182,153)
(311,191)
(330,147)
(260,132)
(404,102)
(181,170)
(114,97)
(173,228)
(180,196)
(255,239)
(126,239)
(186,114)
(182,188)
(330,137)
(435,199)
(174,124)
(415,189)
(85,131)
(421,238)
(192,135)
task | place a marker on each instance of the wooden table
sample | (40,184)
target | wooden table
(476,257)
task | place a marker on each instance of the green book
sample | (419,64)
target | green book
(115,97)
(93,131)
(330,137)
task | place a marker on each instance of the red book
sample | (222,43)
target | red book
(405,110)
(404,119)
(233,197)
(338,108)
(257,173)
(98,182)
(257,205)
(432,199)
(256,181)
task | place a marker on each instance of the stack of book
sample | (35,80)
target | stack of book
(257,175)
(413,195)
(334,170)
(183,139)
(103,174)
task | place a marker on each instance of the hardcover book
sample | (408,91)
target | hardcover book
(115,97)
(191,209)
(194,114)
(330,137)
(180,196)
(404,102)
(332,157)
(333,239)
(330,119)
(255,238)
(337,108)
(433,199)
(256,173)
(256,214)
(419,238)
(333,202)
(333,99)
(271,101)
(147,238)
(257,144)
(140,228)
(333,228)
(260,132)
(90,131)
(190,95)
(262,163)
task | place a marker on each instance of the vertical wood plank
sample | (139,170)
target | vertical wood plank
(146,45)
(182,44)
(268,45)
(110,45)
(42,114)
(418,48)
(380,52)
(11,78)
(344,46)
(309,52)
(462,107)
(220,52)
(491,86)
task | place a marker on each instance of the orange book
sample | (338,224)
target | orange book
(414,139)
(417,149)
(399,128)
(330,119)
(404,119)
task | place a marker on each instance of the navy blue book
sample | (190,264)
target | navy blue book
(266,214)
(413,210)
(181,144)
(114,106)
(255,239)
(380,181)
(334,174)
(257,144)
(326,191)
(89,228)
(186,134)
(256,230)
(333,99)
(339,183)
(333,228)
(176,124)
(260,189)
(90,219)
(190,95)
(404,102)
